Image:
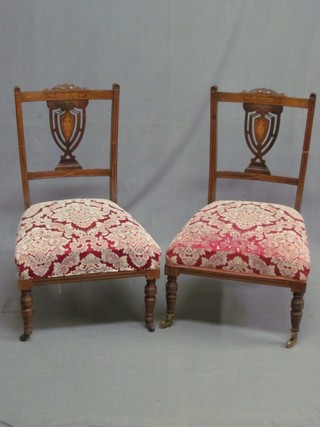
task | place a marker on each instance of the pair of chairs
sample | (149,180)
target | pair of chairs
(84,239)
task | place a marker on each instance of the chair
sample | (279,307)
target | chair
(249,241)
(75,239)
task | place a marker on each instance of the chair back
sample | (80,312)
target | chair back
(263,110)
(66,110)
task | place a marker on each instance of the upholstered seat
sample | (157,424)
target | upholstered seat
(81,236)
(245,237)
(244,240)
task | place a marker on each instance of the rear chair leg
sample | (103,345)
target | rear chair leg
(26,310)
(171,296)
(297,304)
(150,300)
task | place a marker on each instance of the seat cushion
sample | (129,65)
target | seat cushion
(81,236)
(245,237)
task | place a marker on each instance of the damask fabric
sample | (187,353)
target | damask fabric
(245,237)
(81,236)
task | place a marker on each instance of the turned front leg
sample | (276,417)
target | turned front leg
(26,311)
(297,304)
(171,297)
(150,300)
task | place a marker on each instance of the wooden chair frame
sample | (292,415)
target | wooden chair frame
(263,98)
(69,169)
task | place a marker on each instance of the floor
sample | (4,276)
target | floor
(92,363)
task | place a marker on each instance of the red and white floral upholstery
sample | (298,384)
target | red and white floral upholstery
(249,237)
(76,236)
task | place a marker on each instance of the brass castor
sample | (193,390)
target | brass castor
(24,337)
(167,322)
(150,326)
(292,340)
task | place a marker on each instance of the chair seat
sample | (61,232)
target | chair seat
(244,237)
(77,236)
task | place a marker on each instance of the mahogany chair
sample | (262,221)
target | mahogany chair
(249,241)
(76,239)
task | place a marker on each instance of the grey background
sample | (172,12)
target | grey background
(90,361)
